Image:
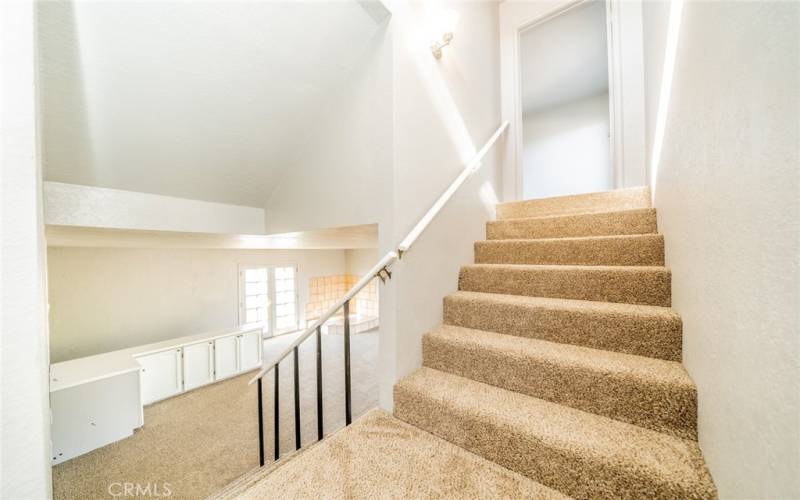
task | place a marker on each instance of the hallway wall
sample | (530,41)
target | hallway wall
(566,149)
(728,198)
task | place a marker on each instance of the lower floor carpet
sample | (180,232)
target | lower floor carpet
(379,456)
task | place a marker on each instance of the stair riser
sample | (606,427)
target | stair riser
(626,199)
(602,224)
(511,447)
(646,286)
(671,409)
(625,251)
(645,336)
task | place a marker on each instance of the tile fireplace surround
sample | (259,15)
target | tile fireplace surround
(324,291)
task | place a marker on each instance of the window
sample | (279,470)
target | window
(285,299)
(268,296)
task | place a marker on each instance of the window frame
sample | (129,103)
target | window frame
(269,327)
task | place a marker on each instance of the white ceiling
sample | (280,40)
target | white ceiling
(564,58)
(201,100)
(363,236)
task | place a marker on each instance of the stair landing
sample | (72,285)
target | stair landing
(378,456)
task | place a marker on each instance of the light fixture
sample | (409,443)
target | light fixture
(437,47)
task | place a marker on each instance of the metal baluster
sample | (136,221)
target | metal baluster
(348,405)
(260,426)
(319,383)
(296,400)
(277,414)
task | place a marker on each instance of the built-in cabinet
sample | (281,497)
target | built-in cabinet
(249,350)
(170,372)
(198,365)
(226,356)
(99,399)
(162,375)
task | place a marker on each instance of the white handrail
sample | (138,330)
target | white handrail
(390,257)
(377,268)
(471,168)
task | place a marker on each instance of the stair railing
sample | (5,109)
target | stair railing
(379,270)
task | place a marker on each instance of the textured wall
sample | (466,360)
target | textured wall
(444,111)
(728,199)
(24,386)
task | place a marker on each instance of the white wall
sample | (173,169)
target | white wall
(24,407)
(566,149)
(86,206)
(443,112)
(359,261)
(335,179)
(728,198)
(102,299)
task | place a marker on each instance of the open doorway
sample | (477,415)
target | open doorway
(564,95)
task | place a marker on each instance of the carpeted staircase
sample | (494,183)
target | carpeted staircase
(559,360)
(559,357)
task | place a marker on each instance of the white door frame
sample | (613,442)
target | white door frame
(626,86)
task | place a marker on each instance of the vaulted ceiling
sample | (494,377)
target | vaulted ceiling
(208,101)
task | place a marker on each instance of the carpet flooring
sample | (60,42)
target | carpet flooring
(559,359)
(196,443)
(381,457)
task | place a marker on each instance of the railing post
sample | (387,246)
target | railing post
(296,400)
(260,426)
(319,383)
(277,414)
(348,405)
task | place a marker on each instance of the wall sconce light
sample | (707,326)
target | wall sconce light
(437,47)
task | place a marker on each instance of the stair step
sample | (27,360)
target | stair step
(627,250)
(625,284)
(575,452)
(649,331)
(638,221)
(605,201)
(651,393)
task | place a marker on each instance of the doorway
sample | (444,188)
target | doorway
(564,96)
(613,33)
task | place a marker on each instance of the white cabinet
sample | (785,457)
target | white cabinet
(249,350)
(162,375)
(89,415)
(198,365)
(226,357)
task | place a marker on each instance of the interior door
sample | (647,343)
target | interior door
(249,350)
(198,365)
(226,357)
(162,375)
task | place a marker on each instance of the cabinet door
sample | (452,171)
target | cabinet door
(161,375)
(198,365)
(249,350)
(226,357)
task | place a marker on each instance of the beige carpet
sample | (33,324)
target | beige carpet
(381,457)
(559,360)
(560,357)
(202,440)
